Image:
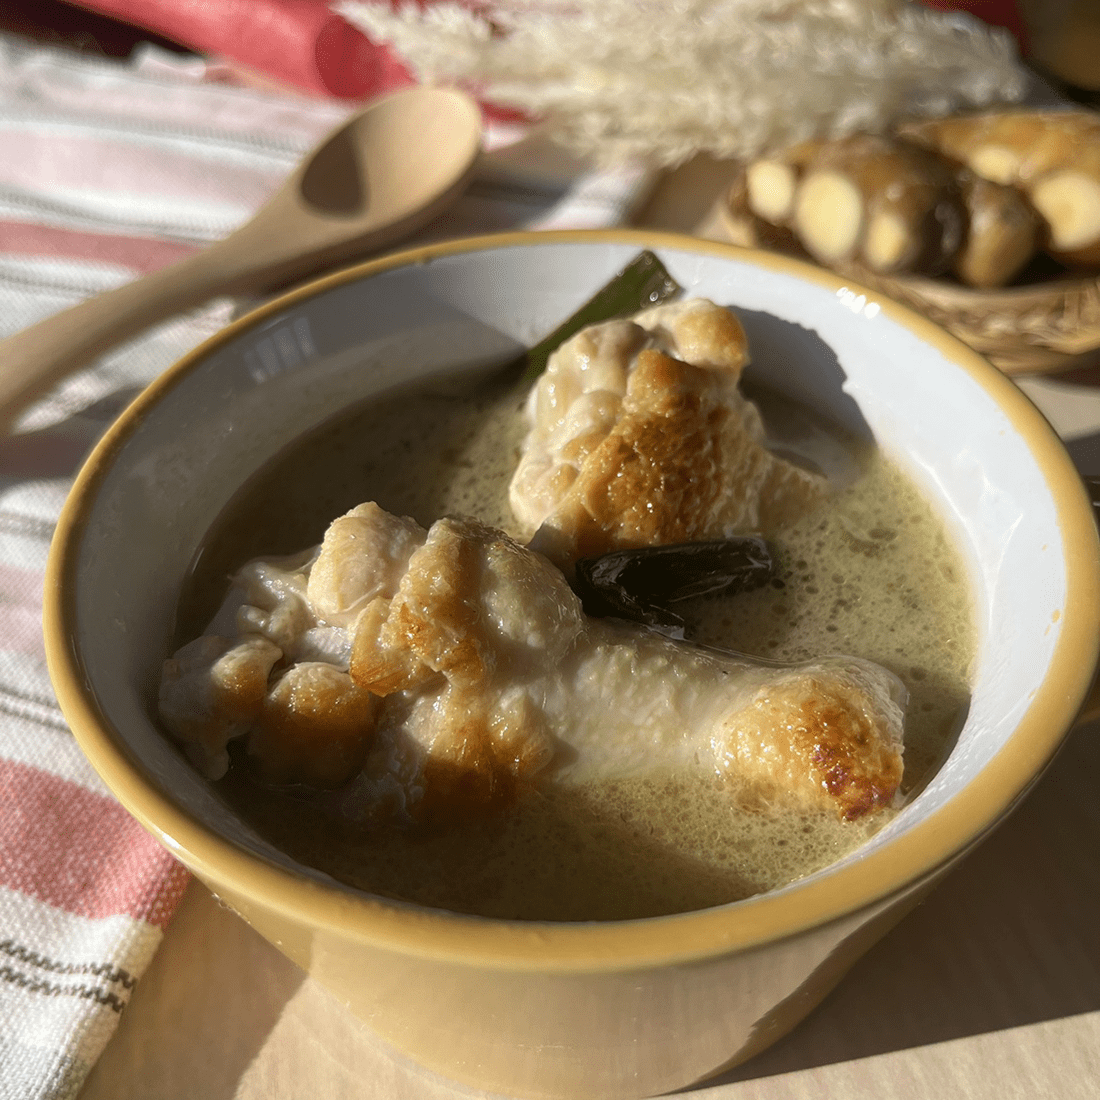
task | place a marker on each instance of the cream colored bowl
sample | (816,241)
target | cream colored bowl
(614,1009)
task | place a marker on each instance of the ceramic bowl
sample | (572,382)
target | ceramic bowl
(617,1009)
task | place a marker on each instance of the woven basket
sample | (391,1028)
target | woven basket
(1039,328)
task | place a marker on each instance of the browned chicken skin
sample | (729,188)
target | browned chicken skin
(640,436)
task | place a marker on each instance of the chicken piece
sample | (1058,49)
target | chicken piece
(510,680)
(314,726)
(272,666)
(459,653)
(212,691)
(640,436)
(476,675)
(363,555)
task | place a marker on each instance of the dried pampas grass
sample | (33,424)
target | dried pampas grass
(660,80)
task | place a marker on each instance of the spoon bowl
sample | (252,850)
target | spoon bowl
(388,170)
(382,174)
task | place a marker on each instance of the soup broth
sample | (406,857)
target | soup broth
(873,573)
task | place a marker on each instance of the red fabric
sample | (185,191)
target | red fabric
(80,851)
(138,254)
(300,43)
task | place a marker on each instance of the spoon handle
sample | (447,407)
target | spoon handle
(38,357)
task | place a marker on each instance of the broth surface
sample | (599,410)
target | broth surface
(873,574)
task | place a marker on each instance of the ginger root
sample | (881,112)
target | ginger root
(1068,198)
(751,230)
(771,183)
(1003,232)
(1053,157)
(890,205)
(1014,147)
(976,195)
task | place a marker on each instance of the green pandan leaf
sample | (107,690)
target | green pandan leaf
(643,282)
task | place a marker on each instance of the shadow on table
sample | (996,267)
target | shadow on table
(1008,939)
(205,1007)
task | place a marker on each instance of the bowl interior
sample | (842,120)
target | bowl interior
(988,460)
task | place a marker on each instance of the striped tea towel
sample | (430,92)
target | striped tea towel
(110,170)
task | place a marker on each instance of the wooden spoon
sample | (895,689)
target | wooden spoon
(388,170)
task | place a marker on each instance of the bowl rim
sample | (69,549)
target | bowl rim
(907,860)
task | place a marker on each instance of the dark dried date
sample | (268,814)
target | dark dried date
(643,585)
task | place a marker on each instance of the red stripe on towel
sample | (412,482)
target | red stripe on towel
(21,609)
(141,255)
(80,851)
